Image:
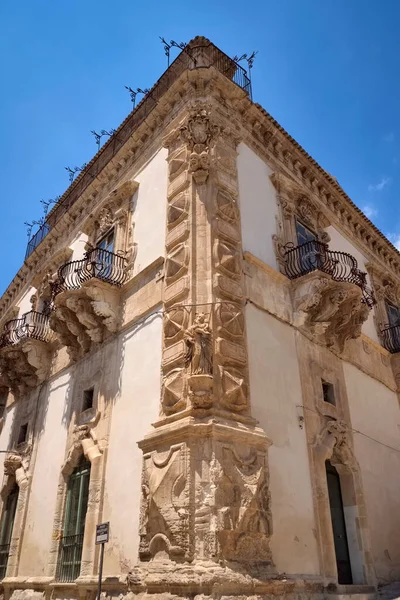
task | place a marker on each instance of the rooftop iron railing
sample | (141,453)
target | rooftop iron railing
(341,266)
(4,552)
(204,55)
(69,558)
(391,338)
(97,263)
(33,325)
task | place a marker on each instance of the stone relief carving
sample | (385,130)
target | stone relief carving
(243,499)
(199,361)
(333,442)
(198,341)
(84,441)
(164,513)
(24,365)
(231,502)
(198,133)
(293,200)
(173,386)
(105,220)
(331,312)
(16,466)
(83,317)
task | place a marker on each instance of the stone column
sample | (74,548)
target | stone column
(205,494)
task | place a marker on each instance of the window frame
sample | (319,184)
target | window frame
(7,526)
(76,506)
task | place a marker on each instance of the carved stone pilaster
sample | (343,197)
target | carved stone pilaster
(25,365)
(205,490)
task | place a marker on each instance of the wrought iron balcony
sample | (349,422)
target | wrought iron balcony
(97,263)
(391,338)
(341,266)
(69,558)
(32,325)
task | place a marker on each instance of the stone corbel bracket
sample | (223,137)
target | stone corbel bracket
(25,365)
(328,311)
(84,440)
(333,444)
(86,315)
(16,465)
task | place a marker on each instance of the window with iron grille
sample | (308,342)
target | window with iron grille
(87,399)
(3,400)
(70,552)
(6,528)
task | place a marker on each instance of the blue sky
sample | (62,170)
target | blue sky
(327,70)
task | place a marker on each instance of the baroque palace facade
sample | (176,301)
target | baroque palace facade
(202,348)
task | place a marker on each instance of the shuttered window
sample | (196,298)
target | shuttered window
(69,563)
(6,528)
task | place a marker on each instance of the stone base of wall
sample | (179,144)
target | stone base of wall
(198,582)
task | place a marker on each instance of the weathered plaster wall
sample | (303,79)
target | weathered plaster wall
(149,206)
(24,303)
(341,244)
(5,436)
(135,409)
(275,395)
(257,199)
(375,414)
(78,246)
(51,428)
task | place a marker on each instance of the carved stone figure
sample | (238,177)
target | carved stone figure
(333,444)
(199,166)
(198,341)
(84,440)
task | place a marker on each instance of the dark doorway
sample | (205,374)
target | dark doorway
(338,525)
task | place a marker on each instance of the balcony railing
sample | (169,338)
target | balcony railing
(69,558)
(341,266)
(391,338)
(33,325)
(4,552)
(97,263)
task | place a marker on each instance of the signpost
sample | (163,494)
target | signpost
(102,535)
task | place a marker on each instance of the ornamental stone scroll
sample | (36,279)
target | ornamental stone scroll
(295,202)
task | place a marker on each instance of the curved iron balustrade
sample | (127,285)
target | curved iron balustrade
(33,325)
(97,263)
(391,338)
(341,266)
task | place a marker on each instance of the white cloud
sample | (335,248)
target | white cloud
(378,187)
(389,137)
(395,239)
(369,211)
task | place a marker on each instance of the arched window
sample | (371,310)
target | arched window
(6,528)
(70,553)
